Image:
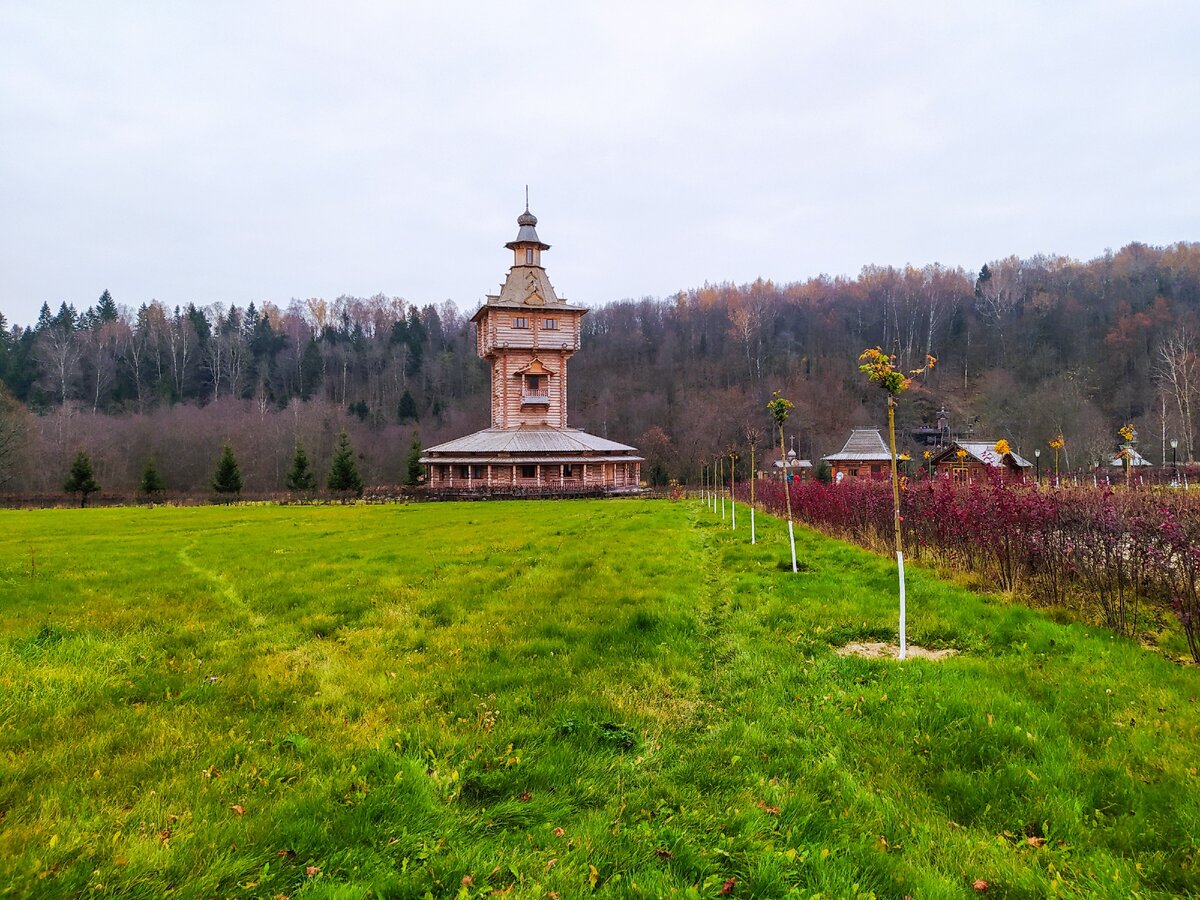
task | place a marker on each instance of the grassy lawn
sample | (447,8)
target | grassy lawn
(617,697)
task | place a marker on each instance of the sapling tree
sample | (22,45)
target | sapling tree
(780,408)
(151,482)
(753,439)
(343,473)
(413,468)
(1129,433)
(1057,443)
(881,370)
(228,477)
(733,458)
(721,483)
(81,479)
(300,476)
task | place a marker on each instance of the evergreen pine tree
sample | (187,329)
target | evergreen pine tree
(227,479)
(414,469)
(300,476)
(106,309)
(407,410)
(343,473)
(81,480)
(152,482)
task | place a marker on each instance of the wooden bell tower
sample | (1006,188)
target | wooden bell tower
(527,334)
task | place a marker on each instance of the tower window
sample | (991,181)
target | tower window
(550,324)
(529,256)
(520,322)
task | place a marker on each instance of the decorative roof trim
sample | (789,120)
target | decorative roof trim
(537,367)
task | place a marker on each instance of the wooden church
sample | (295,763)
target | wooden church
(527,334)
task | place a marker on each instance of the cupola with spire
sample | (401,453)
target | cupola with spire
(527,247)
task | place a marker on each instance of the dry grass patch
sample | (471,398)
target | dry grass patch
(885,650)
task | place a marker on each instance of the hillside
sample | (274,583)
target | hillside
(462,699)
(1027,348)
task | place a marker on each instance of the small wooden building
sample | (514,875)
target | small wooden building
(865,455)
(1136,460)
(527,334)
(797,469)
(967,460)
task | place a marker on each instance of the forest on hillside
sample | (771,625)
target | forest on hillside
(1026,349)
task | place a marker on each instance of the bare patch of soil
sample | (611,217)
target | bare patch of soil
(879,650)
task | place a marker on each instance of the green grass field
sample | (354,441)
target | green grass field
(621,698)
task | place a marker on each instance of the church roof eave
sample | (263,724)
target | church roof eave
(497,303)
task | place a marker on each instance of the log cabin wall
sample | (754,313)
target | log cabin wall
(512,348)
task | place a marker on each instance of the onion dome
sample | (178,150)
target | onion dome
(526,236)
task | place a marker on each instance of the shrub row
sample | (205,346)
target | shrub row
(1127,553)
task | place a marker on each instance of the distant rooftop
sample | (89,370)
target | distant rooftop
(864,444)
(537,439)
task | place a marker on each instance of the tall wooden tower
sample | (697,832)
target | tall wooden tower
(528,334)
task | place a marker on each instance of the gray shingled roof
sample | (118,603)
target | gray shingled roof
(1136,459)
(526,221)
(864,444)
(985,452)
(526,287)
(542,440)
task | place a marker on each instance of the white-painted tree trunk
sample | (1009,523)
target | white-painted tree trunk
(792,541)
(903,610)
(752,525)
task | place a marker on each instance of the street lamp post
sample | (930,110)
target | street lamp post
(1037,455)
(1174,463)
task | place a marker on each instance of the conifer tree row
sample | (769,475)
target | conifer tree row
(1028,348)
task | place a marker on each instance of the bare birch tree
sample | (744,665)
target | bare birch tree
(1178,371)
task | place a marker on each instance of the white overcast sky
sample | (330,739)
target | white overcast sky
(239,151)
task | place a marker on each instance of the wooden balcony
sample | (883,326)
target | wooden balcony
(535,397)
